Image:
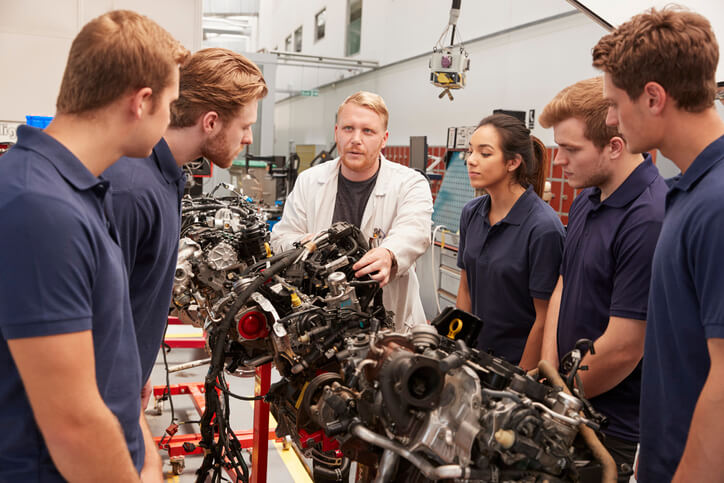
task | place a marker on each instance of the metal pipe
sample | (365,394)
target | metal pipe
(388,464)
(429,471)
(610,474)
(556,415)
(189,365)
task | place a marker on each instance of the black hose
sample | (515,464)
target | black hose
(168,380)
(333,474)
(217,362)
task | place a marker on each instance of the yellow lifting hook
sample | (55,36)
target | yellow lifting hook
(456,325)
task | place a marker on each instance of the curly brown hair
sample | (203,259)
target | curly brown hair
(218,80)
(673,47)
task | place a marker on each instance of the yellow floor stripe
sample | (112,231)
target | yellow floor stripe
(290,459)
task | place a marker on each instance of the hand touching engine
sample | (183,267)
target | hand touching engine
(379,263)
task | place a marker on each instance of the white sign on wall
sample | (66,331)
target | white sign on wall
(8,131)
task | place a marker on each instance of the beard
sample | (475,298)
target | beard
(216,149)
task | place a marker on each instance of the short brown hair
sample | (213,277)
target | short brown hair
(672,47)
(118,52)
(216,80)
(582,100)
(370,101)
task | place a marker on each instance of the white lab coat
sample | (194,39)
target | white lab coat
(400,205)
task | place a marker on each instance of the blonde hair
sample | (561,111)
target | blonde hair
(369,100)
(582,100)
(118,52)
(216,80)
(674,48)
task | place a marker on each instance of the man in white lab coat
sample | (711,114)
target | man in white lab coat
(389,202)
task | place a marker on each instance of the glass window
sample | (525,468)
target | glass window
(288,44)
(354,26)
(298,40)
(320,20)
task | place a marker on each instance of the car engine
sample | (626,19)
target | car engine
(419,406)
(220,238)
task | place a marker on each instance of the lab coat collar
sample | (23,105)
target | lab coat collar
(383,176)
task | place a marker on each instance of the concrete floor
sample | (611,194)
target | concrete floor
(283,465)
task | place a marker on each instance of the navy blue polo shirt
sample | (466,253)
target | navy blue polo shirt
(606,271)
(507,266)
(686,307)
(147,196)
(62,272)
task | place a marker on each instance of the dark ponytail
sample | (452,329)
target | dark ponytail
(541,160)
(516,139)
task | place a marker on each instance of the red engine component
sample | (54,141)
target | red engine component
(328,444)
(252,325)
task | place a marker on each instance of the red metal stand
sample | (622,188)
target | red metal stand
(260,451)
(178,446)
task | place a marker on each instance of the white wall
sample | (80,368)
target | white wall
(522,69)
(35,37)
(616,12)
(392,30)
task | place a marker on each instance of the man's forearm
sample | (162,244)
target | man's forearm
(702,459)
(532,352)
(152,470)
(618,352)
(83,436)
(93,449)
(549,345)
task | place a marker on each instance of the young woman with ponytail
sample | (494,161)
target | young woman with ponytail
(511,241)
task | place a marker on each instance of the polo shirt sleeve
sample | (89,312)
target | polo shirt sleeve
(47,269)
(131,219)
(545,252)
(704,249)
(464,222)
(633,254)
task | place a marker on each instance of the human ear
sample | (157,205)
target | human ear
(384,140)
(141,101)
(617,146)
(514,163)
(656,97)
(209,121)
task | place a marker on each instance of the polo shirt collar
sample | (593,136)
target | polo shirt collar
(170,170)
(639,179)
(518,212)
(706,160)
(67,164)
